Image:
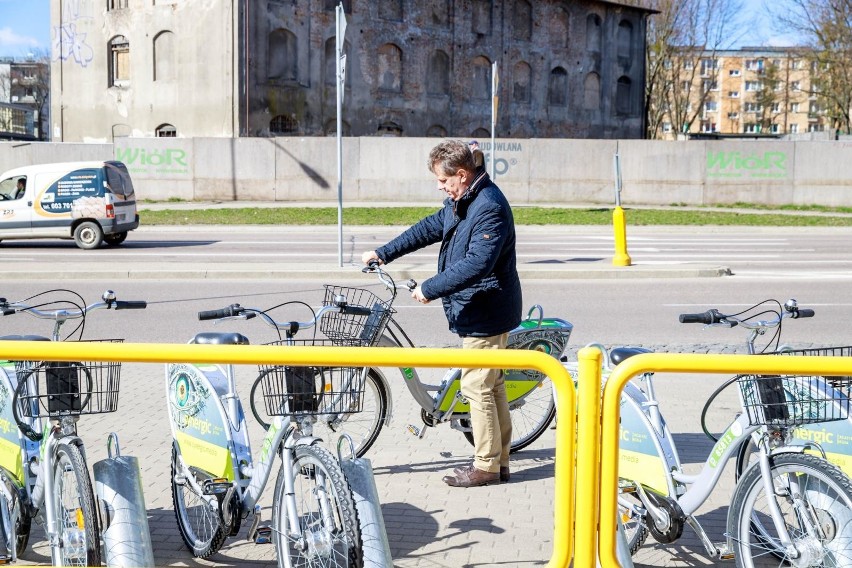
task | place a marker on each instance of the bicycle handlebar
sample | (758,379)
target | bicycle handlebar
(713,316)
(109,302)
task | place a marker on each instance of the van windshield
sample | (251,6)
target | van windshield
(118,179)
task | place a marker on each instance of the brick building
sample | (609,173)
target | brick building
(413,68)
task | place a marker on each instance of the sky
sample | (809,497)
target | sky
(25,25)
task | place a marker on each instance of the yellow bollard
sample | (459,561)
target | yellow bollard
(621,257)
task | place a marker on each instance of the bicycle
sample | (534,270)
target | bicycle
(43,462)
(215,481)
(787,503)
(530,393)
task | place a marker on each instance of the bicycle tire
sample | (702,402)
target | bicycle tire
(317,476)
(634,527)
(75,503)
(804,483)
(198,521)
(21,533)
(531,416)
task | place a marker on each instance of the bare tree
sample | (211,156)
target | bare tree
(825,30)
(683,39)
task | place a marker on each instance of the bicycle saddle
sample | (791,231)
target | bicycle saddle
(24,338)
(224,338)
(620,354)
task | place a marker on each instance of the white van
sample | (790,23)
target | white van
(91,202)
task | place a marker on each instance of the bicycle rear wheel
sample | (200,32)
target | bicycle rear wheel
(197,519)
(815,499)
(328,534)
(79,536)
(530,416)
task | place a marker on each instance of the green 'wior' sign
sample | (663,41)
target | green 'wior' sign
(154,161)
(771,165)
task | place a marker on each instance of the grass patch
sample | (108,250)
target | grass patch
(523,216)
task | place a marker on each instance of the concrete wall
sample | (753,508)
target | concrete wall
(530,171)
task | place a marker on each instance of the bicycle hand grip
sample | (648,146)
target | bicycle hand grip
(8,311)
(708,317)
(232,310)
(803,313)
(372,265)
(355,310)
(130,305)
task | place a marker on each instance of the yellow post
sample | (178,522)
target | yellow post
(621,257)
(588,436)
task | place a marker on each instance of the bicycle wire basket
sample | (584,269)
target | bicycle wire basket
(794,400)
(356,330)
(311,390)
(51,389)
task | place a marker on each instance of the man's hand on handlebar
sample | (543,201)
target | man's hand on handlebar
(369,256)
(417,294)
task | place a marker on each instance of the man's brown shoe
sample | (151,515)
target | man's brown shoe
(471,477)
(504,472)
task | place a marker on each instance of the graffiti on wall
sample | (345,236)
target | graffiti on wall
(154,161)
(69,44)
(767,165)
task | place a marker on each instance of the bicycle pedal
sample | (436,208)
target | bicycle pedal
(723,552)
(263,535)
(412,429)
(215,486)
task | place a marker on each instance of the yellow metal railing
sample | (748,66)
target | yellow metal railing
(357,356)
(604,475)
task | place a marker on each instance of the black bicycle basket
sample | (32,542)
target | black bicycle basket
(355,329)
(793,400)
(311,390)
(51,389)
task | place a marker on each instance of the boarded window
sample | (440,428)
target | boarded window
(623,95)
(436,131)
(283,57)
(521,77)
(592,92)
(438,74)
(559,30)
(522,20)
(481,17)
(557,90)
(593,33)
(481,80)
(390,68)
(119,70)
(164,57)
(625,42)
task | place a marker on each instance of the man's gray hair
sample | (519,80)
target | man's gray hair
(450,156)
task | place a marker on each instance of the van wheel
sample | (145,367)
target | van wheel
(88,235)
(115,238)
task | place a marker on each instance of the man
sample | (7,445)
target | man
(21,189)
(478,284)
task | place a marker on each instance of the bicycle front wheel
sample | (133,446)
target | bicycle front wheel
(16,533)
(328,534)
(79,536)
(197,519)
(363,426)
(815,500)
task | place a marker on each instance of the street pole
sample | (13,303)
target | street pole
(340,22)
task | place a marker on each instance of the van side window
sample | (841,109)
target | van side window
(11,188)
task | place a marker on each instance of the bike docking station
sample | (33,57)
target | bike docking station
(124,519)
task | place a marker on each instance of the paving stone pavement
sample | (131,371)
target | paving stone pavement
(429,525)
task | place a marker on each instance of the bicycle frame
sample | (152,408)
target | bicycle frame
(445,403)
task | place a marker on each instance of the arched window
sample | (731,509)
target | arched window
(119,55)
(481,133)
(593,33)
(559,28)
(623,95)
(165,68)
(389,129)
(116,4)
(521,77)
(331,5)
(331,128)
(283,58)
(390,68)
(283,124)
(437,12)
(624,42)
(481,80)
(166,131)
(592,92)
(390,10)
(557,89)
(481,17)
(522,20)
(436,131)
(438,74)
